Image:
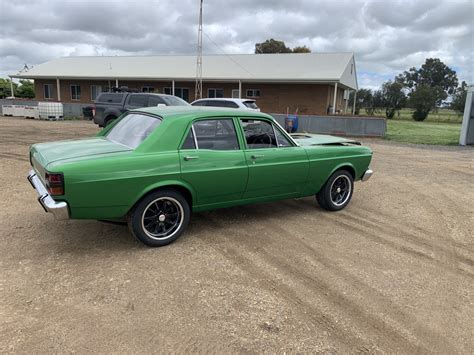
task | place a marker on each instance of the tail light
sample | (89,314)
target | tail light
(55,183)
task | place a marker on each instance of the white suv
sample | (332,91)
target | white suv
(245,104)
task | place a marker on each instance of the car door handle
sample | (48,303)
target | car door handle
(188,158)
(256,156)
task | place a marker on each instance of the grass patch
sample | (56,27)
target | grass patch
(441,115)
(440,133)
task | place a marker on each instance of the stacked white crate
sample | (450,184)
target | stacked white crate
(51,110)
(31,112)
(7,110)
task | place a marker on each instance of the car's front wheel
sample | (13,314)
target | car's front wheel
(336,193)
(160,218)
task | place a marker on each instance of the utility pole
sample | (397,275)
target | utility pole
(198,88)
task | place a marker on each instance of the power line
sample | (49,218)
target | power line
(227,55)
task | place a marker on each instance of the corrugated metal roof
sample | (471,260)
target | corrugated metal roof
(304,67)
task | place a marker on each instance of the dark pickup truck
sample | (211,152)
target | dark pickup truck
(108,106)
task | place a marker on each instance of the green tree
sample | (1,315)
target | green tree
(423,99)
(459,98)
(364,99)
(271,46)
(301,49)
(392,97)
(5,88)
(26,89)
(435,79)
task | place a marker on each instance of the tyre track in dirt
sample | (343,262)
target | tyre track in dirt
(382,332)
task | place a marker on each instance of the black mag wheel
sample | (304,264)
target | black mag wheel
(341,189)
(160,217)
(336,193)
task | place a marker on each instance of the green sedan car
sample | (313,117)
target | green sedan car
(153,166)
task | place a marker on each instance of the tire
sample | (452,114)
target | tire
(159,218)
(336,193)
(109,120)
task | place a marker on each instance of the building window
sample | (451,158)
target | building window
(148,89)
(211,93)
(75,92)
(235,93)
(95,91)
(48,91)
(180,92)
(253,93)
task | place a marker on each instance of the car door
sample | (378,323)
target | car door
(212,161)
(277,166)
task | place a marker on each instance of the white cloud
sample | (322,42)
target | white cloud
(386,36)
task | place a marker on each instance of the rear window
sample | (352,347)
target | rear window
(133,129)
(250,104)
(110,98)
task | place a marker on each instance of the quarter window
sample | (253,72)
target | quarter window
(75,92)
(259,134)
(282,140)
(217,134)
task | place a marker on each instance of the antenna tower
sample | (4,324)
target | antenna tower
(198,88)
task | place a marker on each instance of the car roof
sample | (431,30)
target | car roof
(191,112)
(224,99)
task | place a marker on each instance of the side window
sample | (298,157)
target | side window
(282,140)
(138,100)
(189,141)
(155,100)
(259,134)
(230,104)
(199,103)
(216,134)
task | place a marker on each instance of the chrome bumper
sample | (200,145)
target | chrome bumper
(368,173)
(58,209)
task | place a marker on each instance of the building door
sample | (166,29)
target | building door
(235,93)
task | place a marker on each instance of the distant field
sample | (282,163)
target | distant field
(409,131)
(442,115)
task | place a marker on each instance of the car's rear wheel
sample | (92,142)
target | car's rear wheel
(336,193)
(160,218)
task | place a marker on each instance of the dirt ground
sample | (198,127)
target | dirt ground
(393,272)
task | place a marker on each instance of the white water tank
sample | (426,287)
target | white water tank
(51,110)
(31,112)
(7,110)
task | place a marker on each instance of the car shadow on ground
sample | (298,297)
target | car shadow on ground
(85,237)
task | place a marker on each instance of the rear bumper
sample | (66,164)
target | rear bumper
(58,209)
(368,173)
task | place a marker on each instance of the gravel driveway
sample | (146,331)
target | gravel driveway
(393,272)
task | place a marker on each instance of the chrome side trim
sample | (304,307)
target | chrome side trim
(58,209)
(368,173)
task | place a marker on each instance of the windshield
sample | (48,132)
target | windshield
(133,129)
(250,104)
(174,101)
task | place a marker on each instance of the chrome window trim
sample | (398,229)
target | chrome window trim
(194,136)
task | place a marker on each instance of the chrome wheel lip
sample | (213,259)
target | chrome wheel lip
(346,193)
(175,228)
